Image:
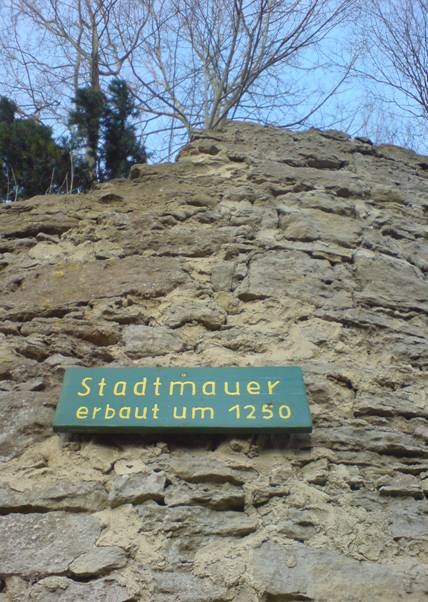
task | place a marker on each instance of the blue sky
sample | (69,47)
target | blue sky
(359,107)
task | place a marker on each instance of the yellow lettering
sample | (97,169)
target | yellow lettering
(82,413)
(140,387)
(125,412)
(253,388)
(183,413)
(101,386)
(181,384)
(252,413)
(267,411)
(271,385)
(157,383)
(95,412)
(83,383)
(284,409)
(143,416)
(212,388)
(237,409)
(120,388)
(109,413)
(237,389)
(202,411)
(155,411)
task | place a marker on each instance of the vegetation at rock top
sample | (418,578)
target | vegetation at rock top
(121,147)
(103,145)
(31,162)
(86,119)
(101,124)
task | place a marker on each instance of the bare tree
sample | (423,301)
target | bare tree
(205,61)
(53,47)
(395,70)
(190,63)
(399,48)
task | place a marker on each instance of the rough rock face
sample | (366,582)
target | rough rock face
(258,247)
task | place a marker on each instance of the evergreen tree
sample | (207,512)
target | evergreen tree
(8,110)
(102,124)
(31,162)
(87,117)
(121,147)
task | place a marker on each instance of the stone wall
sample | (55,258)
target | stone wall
(258,247)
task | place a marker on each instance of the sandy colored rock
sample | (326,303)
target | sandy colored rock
(200,469)
(52,589)
(25,419)
(207,314)
(257,247)
(185,588)
(142,341)
(295,275)
(297,570)
(195,520)
(222,497)
(320,225)
(137,487)
(98,561)
(62,495)
(44,543)
(390,282)
(52,287)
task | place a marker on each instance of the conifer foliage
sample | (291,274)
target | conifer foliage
(103,145)
(121,147)
(86,119)
(31,162)
(104,130)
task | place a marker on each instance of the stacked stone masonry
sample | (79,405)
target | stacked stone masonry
(258,247)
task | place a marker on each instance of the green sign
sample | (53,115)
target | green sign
(173,399)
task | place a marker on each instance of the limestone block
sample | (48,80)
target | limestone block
(52,589)
(142,341)
(44,543)
(137,487)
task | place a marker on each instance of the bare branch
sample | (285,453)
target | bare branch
(203,61)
